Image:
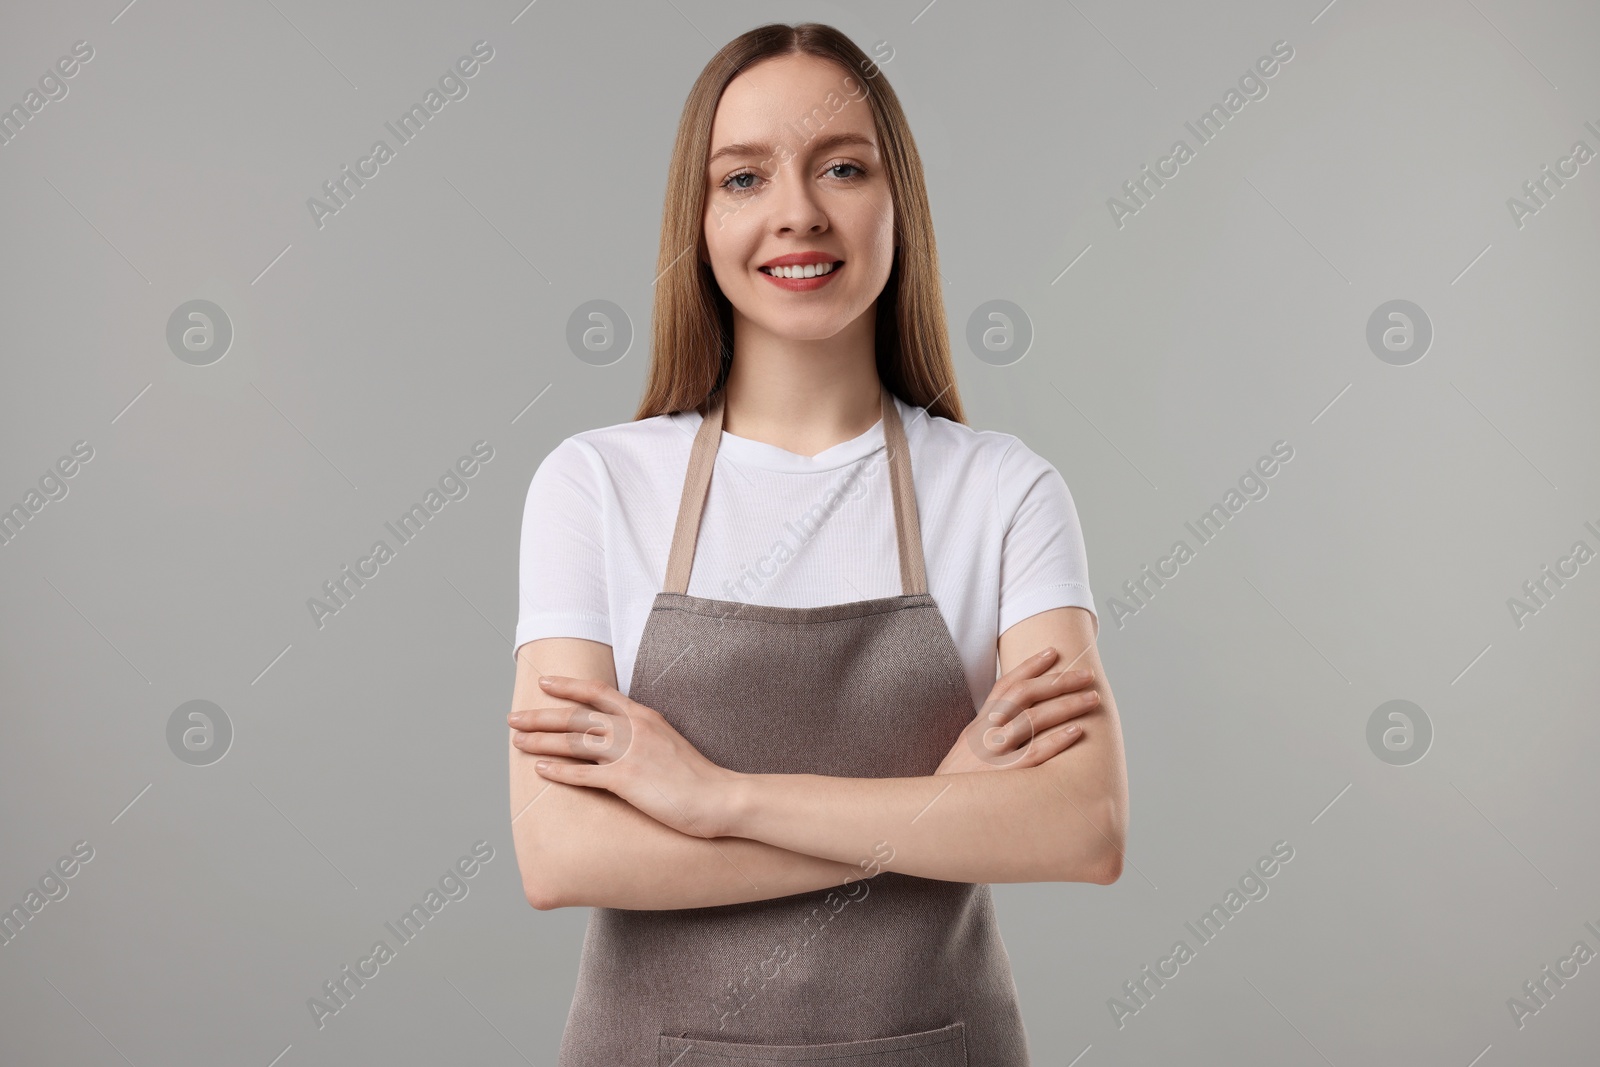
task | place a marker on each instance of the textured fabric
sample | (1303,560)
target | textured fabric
(889,971)
(999,528)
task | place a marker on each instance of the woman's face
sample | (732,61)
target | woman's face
(794,169)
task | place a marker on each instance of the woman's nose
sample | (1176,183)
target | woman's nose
(795,206)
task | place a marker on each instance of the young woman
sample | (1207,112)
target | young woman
(788,822)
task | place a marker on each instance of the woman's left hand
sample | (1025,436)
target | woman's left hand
(630,750)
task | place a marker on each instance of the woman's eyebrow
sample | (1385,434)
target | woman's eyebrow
(819,144)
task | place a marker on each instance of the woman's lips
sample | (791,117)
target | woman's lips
(803,285)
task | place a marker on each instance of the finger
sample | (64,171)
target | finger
(1062,736)
(1015,731)
(1057,710)
(1057,741)
(1028,692)
(568,773)
(606,740)
(1062,681)
(1032,691)
(1027,684)
(546,743)
(1029,667)
(1048,745)
(588,690)
(566,717)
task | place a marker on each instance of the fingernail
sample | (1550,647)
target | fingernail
(544,681)
(1046,654)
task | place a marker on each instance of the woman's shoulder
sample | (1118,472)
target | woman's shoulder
(973,463)
(996,452)
(638,442)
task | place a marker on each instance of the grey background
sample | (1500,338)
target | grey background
(368,355)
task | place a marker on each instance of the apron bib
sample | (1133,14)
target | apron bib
(887,971)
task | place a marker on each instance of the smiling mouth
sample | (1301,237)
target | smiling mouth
(810,270)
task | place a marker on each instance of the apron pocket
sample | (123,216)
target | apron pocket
(944,1047)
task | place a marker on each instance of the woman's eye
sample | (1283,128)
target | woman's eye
(732,181)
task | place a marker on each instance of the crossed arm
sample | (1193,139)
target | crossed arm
(764,836)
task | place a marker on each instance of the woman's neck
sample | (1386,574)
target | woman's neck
(803,396)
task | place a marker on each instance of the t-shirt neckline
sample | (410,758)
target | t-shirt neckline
(747,452)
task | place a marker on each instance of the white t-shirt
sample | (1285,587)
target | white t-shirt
(1000,534)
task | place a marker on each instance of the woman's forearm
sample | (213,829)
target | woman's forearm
(1020,825)
(587,847)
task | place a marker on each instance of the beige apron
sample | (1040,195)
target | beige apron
(888,971)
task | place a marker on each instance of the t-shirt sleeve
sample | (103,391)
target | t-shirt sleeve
(1043,562)
(561,569)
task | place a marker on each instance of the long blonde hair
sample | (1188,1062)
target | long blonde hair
(692,321)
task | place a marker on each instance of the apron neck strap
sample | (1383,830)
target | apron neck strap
(697,482)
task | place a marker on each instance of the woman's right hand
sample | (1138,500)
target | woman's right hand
(1025,720)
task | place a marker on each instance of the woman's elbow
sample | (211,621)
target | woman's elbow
(1114,829)
(1102,867)
(1099,859)
(1110,868)
(542,894)
(541,867)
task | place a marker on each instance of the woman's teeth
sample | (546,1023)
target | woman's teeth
(810,270)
